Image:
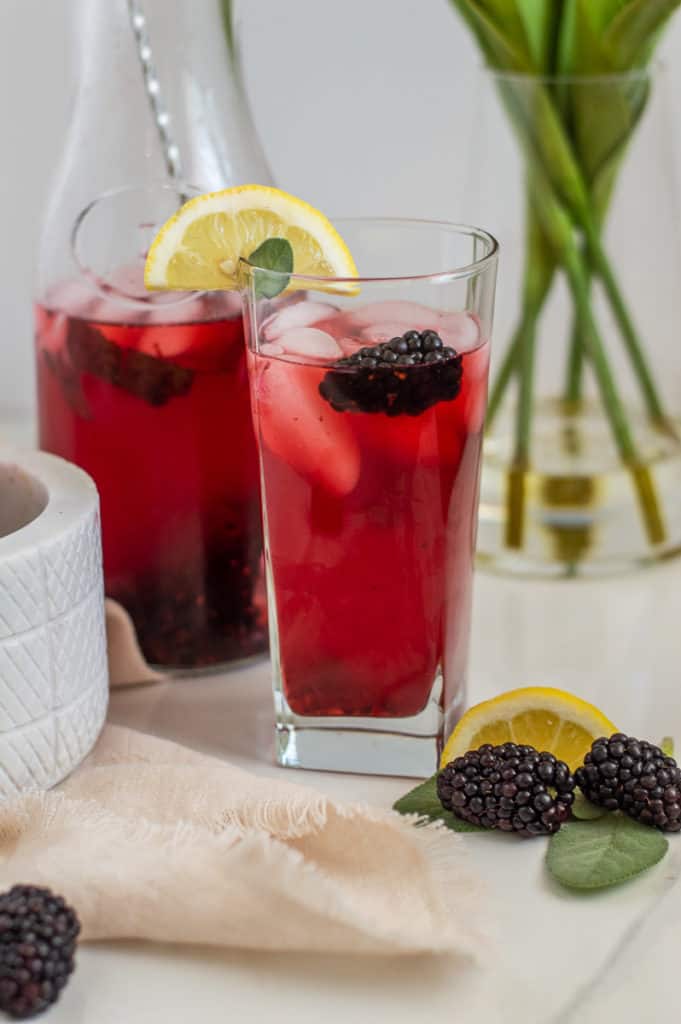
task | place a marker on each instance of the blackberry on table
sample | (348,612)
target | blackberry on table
(510,787)
(633,776)
(38,933)
(405,375)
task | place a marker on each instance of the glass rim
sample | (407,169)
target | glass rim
(455,273)
(590,78)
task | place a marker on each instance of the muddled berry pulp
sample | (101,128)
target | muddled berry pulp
(371,521)
(157,410)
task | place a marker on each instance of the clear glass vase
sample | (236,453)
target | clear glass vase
(582,460)
(149,393)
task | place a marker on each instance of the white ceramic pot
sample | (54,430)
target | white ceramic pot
(53,669)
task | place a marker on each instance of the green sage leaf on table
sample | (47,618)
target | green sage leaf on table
(584,809)
(599,854)
(424,800)
(274,254)
(667,746)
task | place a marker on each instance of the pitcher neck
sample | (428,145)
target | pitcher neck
(125,36)
(159,76)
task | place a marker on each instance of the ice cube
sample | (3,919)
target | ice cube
(221,304)
(351,345)
(407,315)
(127,280)
(382,332)
(300,314)
(459,331)
(52,331)
(74,297)
(301,428)
(186,312)
(310,342)
(271,349)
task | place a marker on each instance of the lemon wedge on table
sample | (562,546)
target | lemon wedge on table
(200,247)
(544,718)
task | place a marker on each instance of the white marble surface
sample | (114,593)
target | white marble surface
(558,958)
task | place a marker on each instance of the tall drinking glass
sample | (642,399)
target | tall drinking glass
(369,398)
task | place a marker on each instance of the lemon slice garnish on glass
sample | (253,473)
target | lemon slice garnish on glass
(200,247)
(544,718)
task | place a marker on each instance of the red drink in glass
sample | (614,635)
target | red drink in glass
(153,402)
(369,400)
(371,527)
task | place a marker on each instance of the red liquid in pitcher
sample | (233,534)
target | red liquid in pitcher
(371,516)
(155,406)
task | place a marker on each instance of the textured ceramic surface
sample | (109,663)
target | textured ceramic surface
(53,672)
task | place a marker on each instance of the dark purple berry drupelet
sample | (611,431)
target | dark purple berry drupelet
(625,774)
(38,933)
(510,787)
(406,375)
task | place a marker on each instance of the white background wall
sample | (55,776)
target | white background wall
(364,106)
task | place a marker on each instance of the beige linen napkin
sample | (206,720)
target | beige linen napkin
(150,840)
(127,665)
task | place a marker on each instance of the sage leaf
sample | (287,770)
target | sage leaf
(275,254)
(602,853)
(423,800)
(667,746)
(584,809)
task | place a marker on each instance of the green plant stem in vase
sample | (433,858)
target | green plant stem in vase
(572,77)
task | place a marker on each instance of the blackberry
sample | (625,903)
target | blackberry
(38,933)
(510,787)
(406,375)
(625,774)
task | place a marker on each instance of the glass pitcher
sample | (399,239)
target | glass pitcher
(149,393)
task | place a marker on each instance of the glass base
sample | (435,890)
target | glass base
(369,746)
(576,513)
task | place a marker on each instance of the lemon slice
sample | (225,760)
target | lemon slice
(540,716)
(199,248)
